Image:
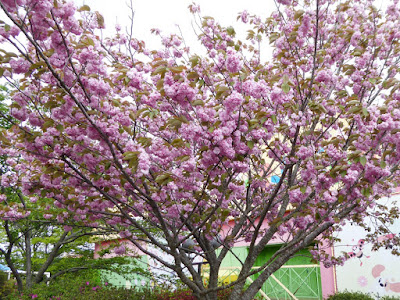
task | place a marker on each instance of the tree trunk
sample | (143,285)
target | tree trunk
(7,255)
(28,262)
(14,270)
(50,258)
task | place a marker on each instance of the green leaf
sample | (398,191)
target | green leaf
(298,14)
(178,143)
(285,79)
(194,60)
(177,69)
(273,37)
(389,83)
(84,8)
(193,75)
(163,179)
(37,65)
(231,31)
(47,124)
(131,155)
(383,164)
(175,123)
(160,70)
(100,19)
(353,102)
(342,93)
(285,88)
(144,141)
(366,191)
(60,128)
(11,54)
(198,102)
(183,158)
(274,119)
(355,109)
(363,160)
(365,112)
(221,90)
(160,84)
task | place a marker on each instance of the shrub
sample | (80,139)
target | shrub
(175,295)
(389,298)
(6,286)
(65,284)
(85,290)
(350,296)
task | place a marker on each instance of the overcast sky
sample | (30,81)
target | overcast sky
(166,14)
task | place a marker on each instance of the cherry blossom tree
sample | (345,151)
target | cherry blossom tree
(166,146)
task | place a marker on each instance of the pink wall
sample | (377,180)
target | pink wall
(328,276)
(275,240)
(131,250)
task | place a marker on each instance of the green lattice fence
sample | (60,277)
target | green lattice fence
(294,282)
(298,279)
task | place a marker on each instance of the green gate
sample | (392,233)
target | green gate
(298,279)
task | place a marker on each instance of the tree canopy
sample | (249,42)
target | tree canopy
(167,146)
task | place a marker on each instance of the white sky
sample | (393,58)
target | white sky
(166,14)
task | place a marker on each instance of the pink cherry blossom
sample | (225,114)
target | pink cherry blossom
(165,146)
